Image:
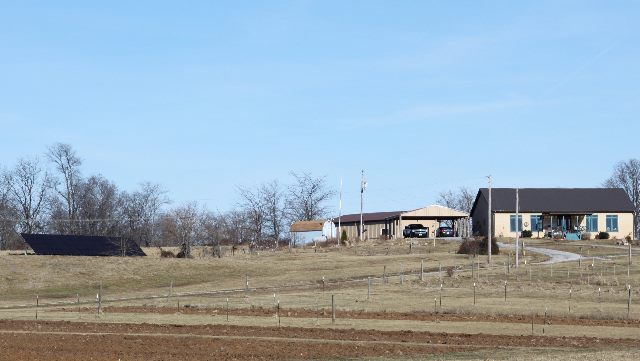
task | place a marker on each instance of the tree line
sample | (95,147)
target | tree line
(50,194)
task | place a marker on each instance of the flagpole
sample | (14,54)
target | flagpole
(517,225)
(361,205)
(340,215)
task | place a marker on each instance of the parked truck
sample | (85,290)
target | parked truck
(415,230)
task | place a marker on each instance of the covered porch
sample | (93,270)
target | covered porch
(564,225)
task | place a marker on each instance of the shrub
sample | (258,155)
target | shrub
(451,271)
(471,247)
(585,236)
(603,235)
(343,236)
(526,234)
(475,247)
(495,249)
(628,238)
(166,254)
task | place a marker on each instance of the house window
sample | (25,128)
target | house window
(536,223)
(612,223)
(513,223)
(592,223)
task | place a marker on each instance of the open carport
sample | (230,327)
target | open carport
(430,217)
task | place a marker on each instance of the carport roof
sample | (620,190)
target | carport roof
(367,217)
(430,212)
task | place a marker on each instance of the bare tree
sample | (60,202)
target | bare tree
(8,216)
(273,201)
(28,185)
(99,205)
(307,198)
(626,175)
(253,206)
(182,224)
(67,164)
(140,211)
(236,226)
(461,200)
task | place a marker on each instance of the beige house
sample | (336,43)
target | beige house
(390,224)
(570,213)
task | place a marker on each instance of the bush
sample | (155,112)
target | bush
(476,247)
(628,238)
(343,236)
(471,247)
(166,254)
(451,271)
(585,236)
(603,235)
(526,234)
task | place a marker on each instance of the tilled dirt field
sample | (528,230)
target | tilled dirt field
(426,316)
(35,340)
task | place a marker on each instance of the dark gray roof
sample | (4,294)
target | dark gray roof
(68,245)
(367,217)
(558,200)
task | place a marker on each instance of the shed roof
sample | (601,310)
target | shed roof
(557,200)
(307,226)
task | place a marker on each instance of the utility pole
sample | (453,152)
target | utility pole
(340,215)
(489,224)
(363,186)
(517,225)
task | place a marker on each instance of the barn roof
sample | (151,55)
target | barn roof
(73,245)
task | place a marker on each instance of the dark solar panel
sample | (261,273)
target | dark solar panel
(68,245)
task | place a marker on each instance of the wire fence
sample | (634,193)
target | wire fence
(594,288)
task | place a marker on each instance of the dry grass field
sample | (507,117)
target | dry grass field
(567,310)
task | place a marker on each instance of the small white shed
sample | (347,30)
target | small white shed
(304,232)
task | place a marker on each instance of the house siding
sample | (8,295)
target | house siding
(502,224)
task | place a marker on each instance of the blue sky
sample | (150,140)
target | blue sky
(424,95)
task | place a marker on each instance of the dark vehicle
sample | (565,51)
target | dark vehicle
(444,232)
(415,230)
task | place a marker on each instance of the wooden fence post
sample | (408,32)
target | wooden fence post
(333,309)
(629,301)
(629,263)
(474,293)
(100,299)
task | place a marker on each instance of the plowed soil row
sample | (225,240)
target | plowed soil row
(33,340)
(418,316)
